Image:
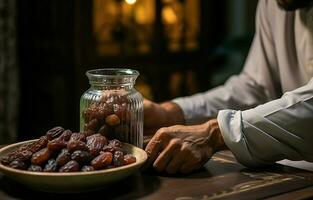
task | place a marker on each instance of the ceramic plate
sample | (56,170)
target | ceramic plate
(72,181)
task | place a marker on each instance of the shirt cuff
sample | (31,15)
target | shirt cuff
(230,123)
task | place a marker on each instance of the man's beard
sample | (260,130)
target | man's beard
(291,5)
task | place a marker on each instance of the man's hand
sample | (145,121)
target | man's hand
(184,148)
(161,115)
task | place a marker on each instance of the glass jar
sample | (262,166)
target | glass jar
(112,106)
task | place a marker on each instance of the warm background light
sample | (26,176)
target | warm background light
(130,1)
(168,15)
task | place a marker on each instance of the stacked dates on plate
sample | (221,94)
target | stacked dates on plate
(62,150)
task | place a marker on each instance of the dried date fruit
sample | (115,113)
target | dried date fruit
(81,157)
(101,113)
(71,166)
(24,147)
(99,110)
(129,159)
(17,164)
(74,145)
(5,160)
(78,136)
(23,155)
(87,168)
(112,149)
(108,148)
(51,166)
(122,112)
(35,168)
(56,144)
(54,132)
(66,135)
(115,143)
(88,132)
(112,120)
(41,156)
(95,143)
(63,157)
(20,149)
(93,126)
(107,103)
(118,158)
(104,130)
(39,144)
(102,160)
(88,113)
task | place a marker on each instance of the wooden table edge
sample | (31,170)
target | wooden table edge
(304,193)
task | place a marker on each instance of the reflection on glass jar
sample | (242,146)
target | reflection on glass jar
(112,106)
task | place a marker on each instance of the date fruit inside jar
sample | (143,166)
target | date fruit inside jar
(109,116)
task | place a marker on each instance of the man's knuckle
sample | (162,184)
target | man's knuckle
(161,133)
(186,148)
(174,143)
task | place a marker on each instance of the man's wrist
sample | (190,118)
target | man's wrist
(217,140)
(173,113)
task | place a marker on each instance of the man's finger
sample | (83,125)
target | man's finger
(165,156)
(189,167)
(153,149)
(176,162)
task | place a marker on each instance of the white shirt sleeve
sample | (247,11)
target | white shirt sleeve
(256,84)
(280,129)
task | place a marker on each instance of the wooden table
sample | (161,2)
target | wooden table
(221,178)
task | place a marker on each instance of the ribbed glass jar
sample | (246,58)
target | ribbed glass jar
(112,106)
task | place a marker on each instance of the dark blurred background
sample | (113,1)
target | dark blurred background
(180,47)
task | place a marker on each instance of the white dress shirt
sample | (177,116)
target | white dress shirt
(266,112)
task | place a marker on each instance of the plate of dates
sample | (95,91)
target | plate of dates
(64,161)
